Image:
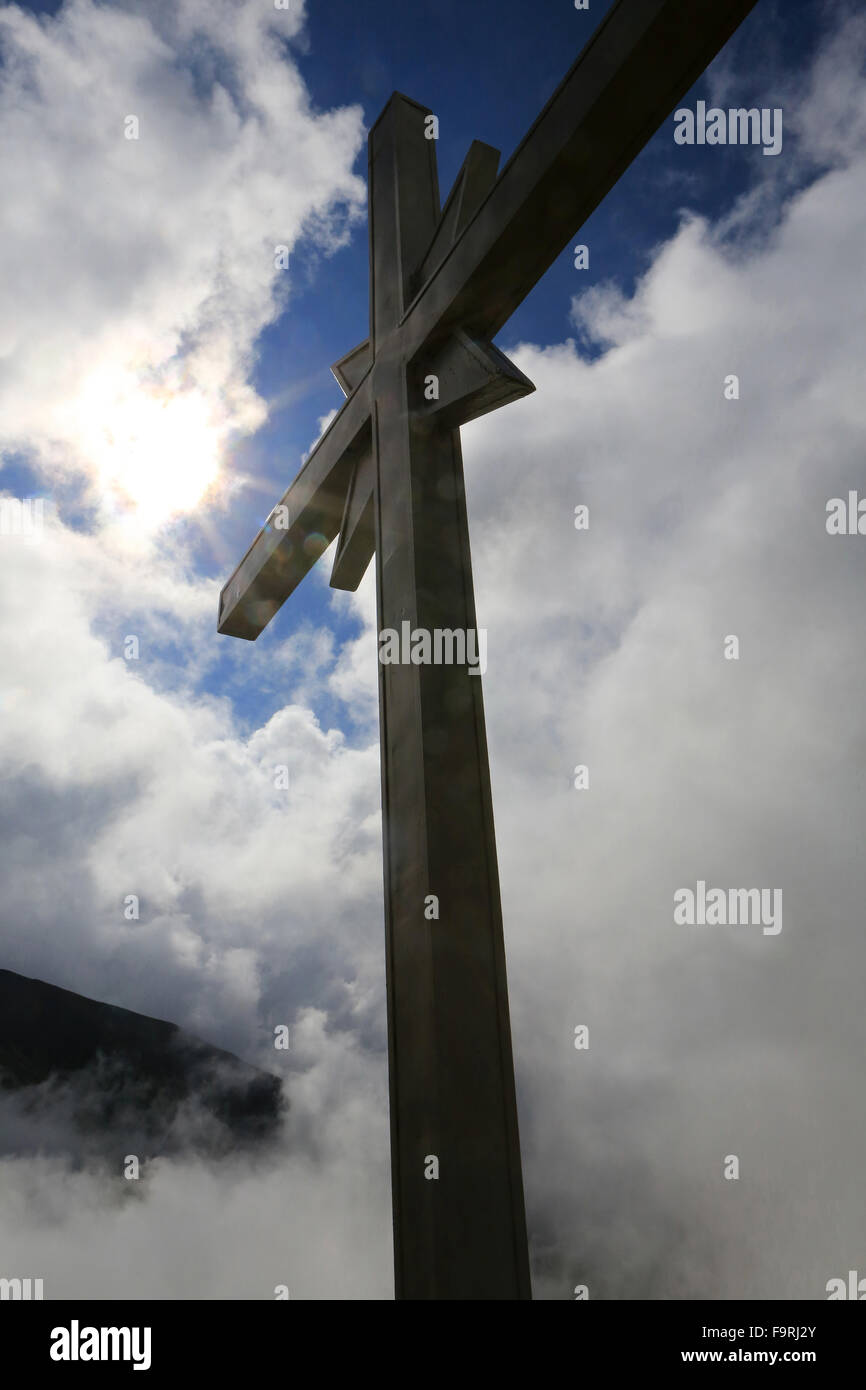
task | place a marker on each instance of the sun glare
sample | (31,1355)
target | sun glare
(155,451)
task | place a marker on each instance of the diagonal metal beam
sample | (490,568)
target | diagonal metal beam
(639,63)
(351,369)
(357,530)
(472,379)
(471,186)
(281,555)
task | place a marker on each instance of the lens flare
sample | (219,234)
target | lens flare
(154,450)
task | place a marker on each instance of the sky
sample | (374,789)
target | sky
(161,382)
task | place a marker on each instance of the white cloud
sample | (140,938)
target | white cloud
(707,518)
(131,264)
(313,1216)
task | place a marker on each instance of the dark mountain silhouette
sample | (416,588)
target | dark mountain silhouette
(83,1076)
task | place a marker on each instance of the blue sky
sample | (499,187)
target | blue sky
(143,334)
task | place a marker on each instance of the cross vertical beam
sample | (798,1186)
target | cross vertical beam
(461,1235)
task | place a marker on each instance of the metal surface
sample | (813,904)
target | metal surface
(388,475)
(452,1085)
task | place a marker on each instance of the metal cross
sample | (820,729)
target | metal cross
(387,478)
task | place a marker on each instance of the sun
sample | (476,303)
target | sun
(155,451)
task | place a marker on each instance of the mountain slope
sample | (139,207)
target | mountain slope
(82,1074)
